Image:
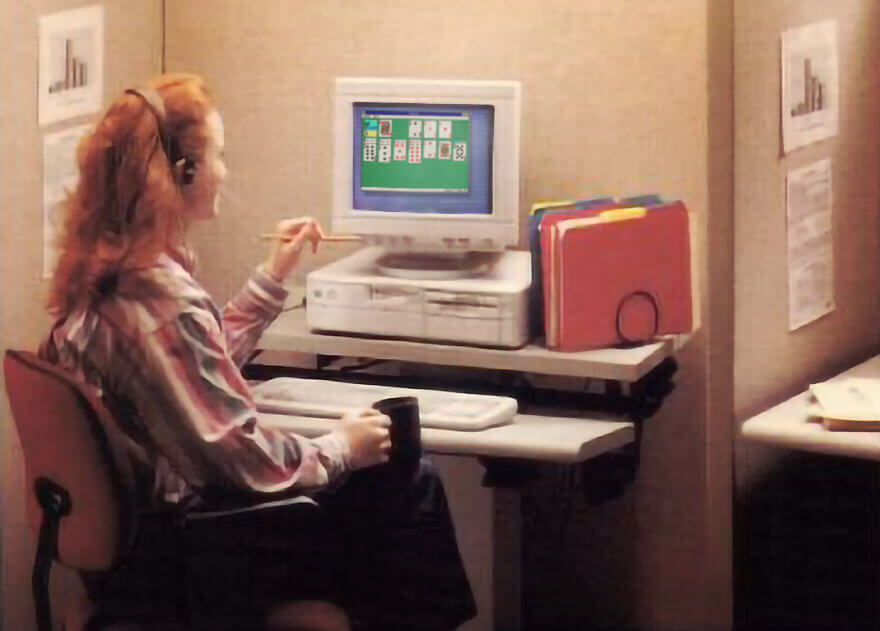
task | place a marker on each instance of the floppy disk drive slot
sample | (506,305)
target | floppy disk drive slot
(409,298)
(449,298)
(461,305)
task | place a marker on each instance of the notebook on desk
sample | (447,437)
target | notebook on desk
(847,403)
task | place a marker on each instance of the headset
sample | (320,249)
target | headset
(183,171)
(185,165)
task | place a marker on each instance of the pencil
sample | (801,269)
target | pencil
(266,236)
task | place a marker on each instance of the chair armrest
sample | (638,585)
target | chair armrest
(287,501)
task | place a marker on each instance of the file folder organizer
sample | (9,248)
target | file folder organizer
(616,276)
(569,209)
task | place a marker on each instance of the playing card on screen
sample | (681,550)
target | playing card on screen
(369,150)
(429,151)
(400,150)
(415,151)
(385,150)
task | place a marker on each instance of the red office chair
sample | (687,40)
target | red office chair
(81,502)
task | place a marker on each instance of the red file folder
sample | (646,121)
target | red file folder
(549,261)
(621,275)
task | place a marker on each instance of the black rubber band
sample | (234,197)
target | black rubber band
(623,338)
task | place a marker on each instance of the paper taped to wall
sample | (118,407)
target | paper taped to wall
(71,80)
(60,175)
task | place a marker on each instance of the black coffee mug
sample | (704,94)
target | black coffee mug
(406,435)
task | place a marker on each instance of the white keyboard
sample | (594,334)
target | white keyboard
(331,399)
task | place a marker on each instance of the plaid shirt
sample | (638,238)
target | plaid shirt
(166,363)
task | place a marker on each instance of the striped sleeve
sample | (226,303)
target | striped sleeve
(204,421)
(250,311)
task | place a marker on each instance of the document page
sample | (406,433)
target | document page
(810,256)
(60,176)
(809,84)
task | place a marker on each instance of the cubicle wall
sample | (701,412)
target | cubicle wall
(806,525)
(770,361)
(132,53)
(616,101)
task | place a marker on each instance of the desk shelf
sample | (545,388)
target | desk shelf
(290,332)
(788,425)
(529,437)
(594,435)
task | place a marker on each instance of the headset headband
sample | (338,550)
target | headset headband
(169,143)
(154,103)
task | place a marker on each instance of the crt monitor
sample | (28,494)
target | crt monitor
(427,165)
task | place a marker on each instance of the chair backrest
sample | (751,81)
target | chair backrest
(60,423)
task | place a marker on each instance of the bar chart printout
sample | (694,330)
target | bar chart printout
(809,105)
(71,63)
(73,74)
(813,92)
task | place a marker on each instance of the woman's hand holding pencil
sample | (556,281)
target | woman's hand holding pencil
(288,241)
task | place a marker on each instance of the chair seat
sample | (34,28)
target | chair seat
(80,502)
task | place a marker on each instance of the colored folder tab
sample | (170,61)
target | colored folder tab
(539,207)
(619,276)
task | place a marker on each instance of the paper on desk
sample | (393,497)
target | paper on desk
(810,256)
(850,398)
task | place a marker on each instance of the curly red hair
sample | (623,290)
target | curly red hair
(127,207)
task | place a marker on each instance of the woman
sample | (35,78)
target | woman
(133,322)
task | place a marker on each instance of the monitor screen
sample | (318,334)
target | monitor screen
(422,158)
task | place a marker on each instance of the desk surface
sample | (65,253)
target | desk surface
(788,425)
(547,438)
(290,332)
